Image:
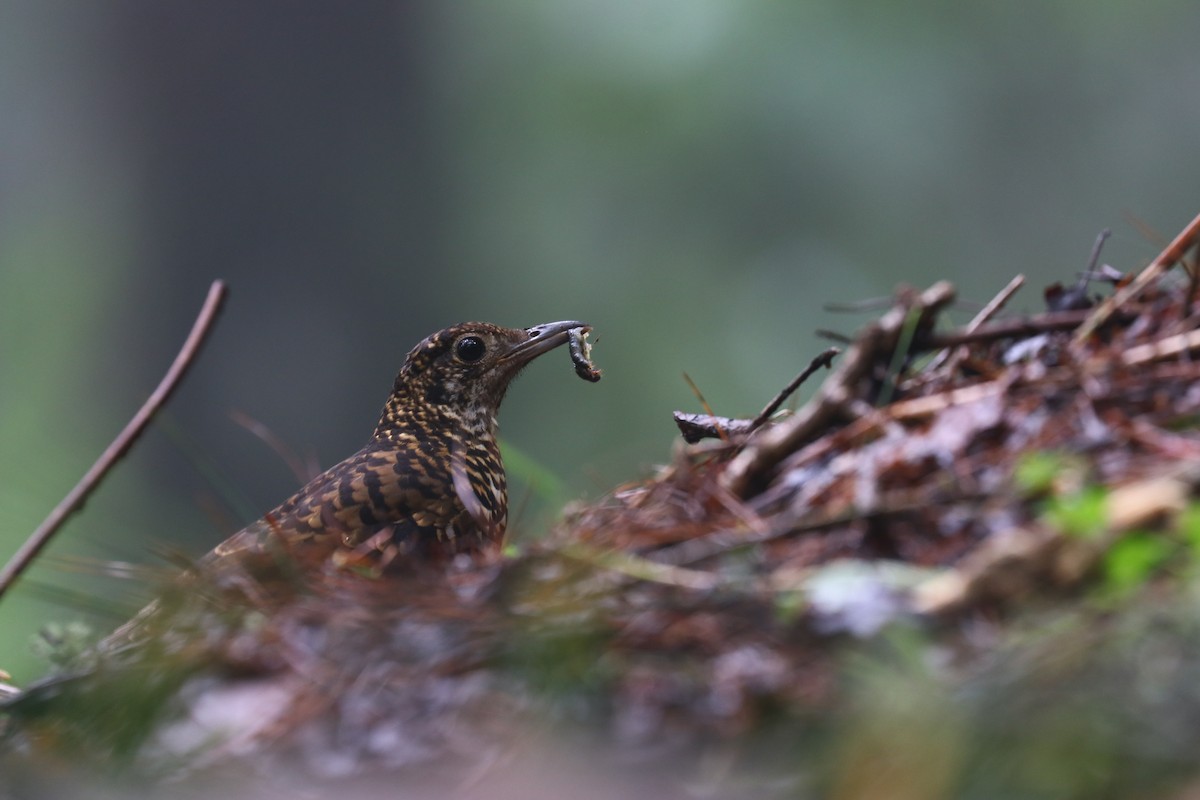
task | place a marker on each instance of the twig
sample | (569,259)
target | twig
(986,313)
(695,427)
(1095,257)
(699,395)
(824,359)
(1164,348)
(1018,328)
(120,446)
(304,469)
(996,303)
(1165,260)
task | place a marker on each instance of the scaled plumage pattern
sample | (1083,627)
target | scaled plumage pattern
(430,480)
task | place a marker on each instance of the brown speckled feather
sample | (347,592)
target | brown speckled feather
(430,480)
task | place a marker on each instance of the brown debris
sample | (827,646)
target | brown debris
(713,597)
(892,493)
(857,377)
(913,462)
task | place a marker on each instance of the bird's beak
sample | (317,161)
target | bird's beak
(542,338)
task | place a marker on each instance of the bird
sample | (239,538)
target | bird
(283,600)
(430,481)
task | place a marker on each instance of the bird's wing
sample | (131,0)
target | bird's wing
(402,488)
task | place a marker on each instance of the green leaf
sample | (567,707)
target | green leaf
(1133,559)
(1084,513)
(1036,472)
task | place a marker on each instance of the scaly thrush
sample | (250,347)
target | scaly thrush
(430,480)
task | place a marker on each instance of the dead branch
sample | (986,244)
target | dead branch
(994,306)
(1166,259)
(1019,328)
(695,427)
(120,446)
(823,360)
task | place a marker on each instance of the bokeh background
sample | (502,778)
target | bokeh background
(695,178)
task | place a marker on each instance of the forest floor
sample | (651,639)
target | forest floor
(969,566)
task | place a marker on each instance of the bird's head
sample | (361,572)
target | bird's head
(462,372)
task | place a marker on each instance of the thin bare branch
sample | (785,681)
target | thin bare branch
(1094,259)
(824,359)
(304,469)
(1017,328)
(1166,259)
(986,313)
(120,446)
(695,427)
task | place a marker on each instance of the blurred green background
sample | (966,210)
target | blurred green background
(693,178)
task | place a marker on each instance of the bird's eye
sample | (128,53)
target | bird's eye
(470,349)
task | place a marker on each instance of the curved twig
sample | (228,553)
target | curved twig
(1166,259)
(120,446)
